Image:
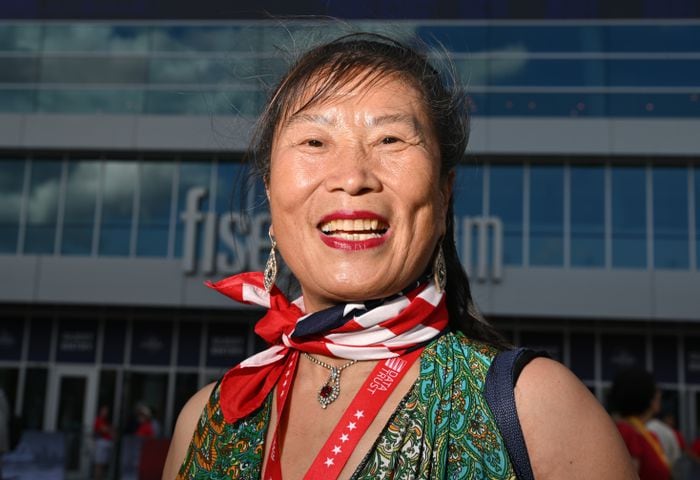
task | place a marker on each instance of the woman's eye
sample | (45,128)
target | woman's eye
(389,140)
(314,143)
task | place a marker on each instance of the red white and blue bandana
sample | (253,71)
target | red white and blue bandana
(372,330)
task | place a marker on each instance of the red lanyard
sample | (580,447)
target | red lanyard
(352,425)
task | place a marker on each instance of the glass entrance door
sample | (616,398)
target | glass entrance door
(72,412)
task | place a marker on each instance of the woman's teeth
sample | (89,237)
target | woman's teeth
(355,229)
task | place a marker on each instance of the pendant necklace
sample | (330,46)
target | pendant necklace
(331,389)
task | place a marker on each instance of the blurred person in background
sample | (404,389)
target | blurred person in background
(144,418)
(670,440)
(103,432)
(634,400)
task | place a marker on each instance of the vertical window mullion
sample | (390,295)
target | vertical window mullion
(135,210)
(24,207)
(526,214)
(60,217)
(608,215)
(692,235)
(98,208)
(650,216)
(567,215)
(173,209)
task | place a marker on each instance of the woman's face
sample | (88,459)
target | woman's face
(356,196)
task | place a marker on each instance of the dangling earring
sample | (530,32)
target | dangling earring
(270,274)
(440,270)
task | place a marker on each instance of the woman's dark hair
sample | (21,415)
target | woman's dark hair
(361,59)
(632,392)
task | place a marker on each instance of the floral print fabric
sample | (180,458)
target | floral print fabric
(443,427)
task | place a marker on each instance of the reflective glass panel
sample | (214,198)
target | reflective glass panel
(193,38)
(86,37)
(587,216)
(79,214)
(665,358)
(11,183)
(569,38)
(191,70)
(468,203)
(118,187)
(243,101)
(629,217)
(71,100)
(652,38)
(652,72)
(524,71)
(21,37)
(670,217)
(546,215)
(17,100)
(156,186)
(231,197)
(42,206)
(94,70)
(506,203)
(191,202)
(34,399)
(18,70)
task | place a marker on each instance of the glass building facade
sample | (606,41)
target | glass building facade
(642,70)
(554,214)
(577,206)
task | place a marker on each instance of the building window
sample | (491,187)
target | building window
(192,176)
(670,217)
(546,215)
(587,216)
(468,202)
(79,212)
(156,182)
(506,203)
(42,208)
(629,217)
(34,398)
(11,182)
(118,187)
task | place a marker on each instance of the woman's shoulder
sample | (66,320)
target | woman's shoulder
(185,428)
(567,432)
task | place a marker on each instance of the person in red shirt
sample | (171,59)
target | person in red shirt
(145,423)
(104,435)
(634,400)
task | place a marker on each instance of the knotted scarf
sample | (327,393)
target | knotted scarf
(372,330)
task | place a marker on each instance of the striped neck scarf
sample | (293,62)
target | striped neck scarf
(371,330)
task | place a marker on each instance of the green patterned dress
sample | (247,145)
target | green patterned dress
(441,429)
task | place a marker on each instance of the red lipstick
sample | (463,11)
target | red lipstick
(336,241)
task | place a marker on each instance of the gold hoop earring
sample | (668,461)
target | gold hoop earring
(440,270)
(270,273)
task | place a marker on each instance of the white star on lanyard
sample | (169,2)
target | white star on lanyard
(359,414)
(351,426)
(344,437)
(336,450)
(329,462)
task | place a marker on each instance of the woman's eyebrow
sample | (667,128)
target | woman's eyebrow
(302,117)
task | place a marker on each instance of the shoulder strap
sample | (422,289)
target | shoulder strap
(500,397)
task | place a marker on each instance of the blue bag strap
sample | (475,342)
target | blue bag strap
(500,397)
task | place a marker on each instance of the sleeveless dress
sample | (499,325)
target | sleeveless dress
(442,428)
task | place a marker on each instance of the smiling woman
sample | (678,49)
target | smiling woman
(382,368)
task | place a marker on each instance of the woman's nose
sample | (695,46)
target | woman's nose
(353,172)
